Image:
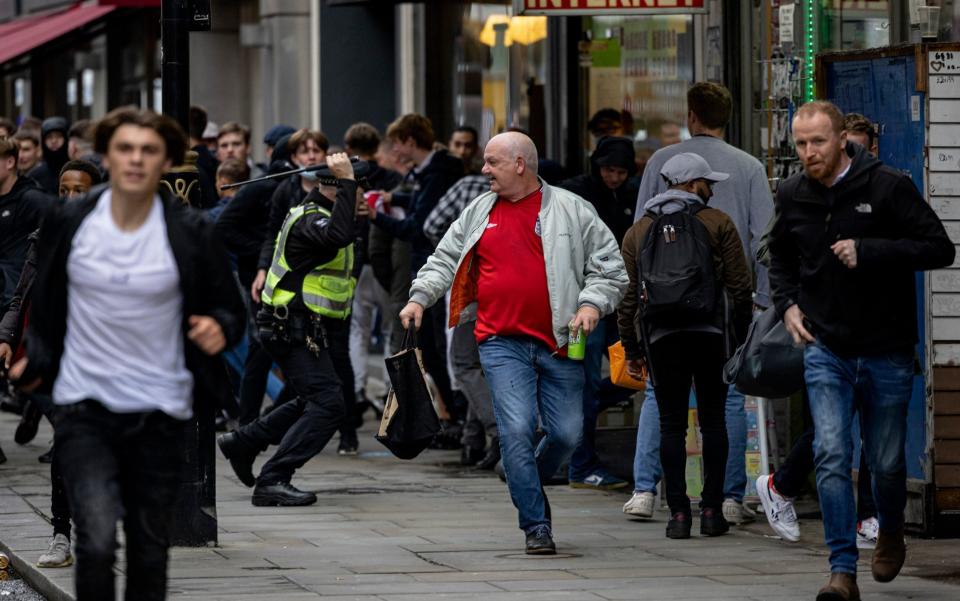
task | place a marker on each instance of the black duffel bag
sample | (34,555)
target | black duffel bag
(768,364)
(409,420)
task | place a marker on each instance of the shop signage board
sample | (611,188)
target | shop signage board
(608,7)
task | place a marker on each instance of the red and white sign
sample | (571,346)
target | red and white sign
(608,7)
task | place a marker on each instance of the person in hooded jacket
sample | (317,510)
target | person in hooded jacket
(243,228)
(53,140)
(681,354)
(22,204)
(612,192)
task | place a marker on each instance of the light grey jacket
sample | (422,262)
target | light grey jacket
(583,262)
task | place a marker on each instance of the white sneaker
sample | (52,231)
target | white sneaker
(867,532)
(780,512)
(736,512)
(640,505)
(58,553)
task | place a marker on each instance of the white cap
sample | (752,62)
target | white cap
(211,131)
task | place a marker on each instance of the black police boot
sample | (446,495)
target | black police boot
(241,458)
(281,494)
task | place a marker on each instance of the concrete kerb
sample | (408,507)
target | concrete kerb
(35,577)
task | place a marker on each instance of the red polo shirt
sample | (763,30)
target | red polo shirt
(512,294)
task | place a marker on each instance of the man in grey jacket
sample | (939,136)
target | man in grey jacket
(534,263)
(746,199)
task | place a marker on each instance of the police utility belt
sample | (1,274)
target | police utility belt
(292,326)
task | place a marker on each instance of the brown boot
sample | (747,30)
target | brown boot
(888,555)
(840,587)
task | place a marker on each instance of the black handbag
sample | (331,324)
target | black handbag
(768,364)
(410,419)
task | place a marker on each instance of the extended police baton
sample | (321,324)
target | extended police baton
(321,167)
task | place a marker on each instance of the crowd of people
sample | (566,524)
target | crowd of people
(123,309)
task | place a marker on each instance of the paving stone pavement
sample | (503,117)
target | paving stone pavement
(429,530)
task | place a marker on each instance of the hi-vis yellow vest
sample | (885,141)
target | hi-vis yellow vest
(327,289)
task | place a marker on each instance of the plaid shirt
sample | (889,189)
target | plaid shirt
(452,204)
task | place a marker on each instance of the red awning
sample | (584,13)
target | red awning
(23,35)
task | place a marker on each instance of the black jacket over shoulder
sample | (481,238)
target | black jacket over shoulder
(206,283)
(870,309)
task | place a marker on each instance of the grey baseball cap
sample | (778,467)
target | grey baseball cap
(687,166)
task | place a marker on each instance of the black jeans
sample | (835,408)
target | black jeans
(59,505)
(338,339)
(303,426)
(119,466)
(793,473)
(680,359)
(253,383)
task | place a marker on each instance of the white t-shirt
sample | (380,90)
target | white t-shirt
(124,341)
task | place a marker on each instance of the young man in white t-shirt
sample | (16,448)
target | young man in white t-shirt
(132,303)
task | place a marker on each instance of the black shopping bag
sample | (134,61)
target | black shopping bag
(768,364)
(409,420)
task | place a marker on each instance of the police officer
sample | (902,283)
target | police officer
(307,296)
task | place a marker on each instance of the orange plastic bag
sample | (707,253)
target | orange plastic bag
(618,369)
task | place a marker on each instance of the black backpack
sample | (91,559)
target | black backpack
(678,281)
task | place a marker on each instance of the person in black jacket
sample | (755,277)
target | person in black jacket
(22,204)
(128,344)
(309,345)
(53,141)
(609,188)
(848,237)
(435,172)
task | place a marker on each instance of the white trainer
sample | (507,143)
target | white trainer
(867,532)
(781,514)
(58,554)
(736,512)
(640,505)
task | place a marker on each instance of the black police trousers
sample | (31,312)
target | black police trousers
(302,426)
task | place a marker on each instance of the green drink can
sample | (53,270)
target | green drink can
(577,345)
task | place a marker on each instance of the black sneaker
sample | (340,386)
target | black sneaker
(281,494)
(29,423)
(349,444)
(679,525)
(241,460)
(540,541)
(492,458)
(712,523)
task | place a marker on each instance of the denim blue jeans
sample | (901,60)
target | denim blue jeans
(526,379)
(880,386)
(646,461)
(599,393)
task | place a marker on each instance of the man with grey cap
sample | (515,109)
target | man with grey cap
(683,343)
(746,198)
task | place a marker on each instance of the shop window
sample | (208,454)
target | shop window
(501,71)
(640,67)
(854,25)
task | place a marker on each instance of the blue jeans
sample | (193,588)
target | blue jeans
(524,379)
(646,461)
(599,393)
(880,386)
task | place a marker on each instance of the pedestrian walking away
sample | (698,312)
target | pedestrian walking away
(303,323)
(847,291)
(745,198)
(132,302)
(682,258)
(538,263)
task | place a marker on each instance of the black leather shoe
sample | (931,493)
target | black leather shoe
(679,525)
(281,494)
(241,459)
(29,423)
(712,523)
(540,541)
(492,457)
(46,457)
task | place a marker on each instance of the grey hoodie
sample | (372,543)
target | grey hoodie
(670,202)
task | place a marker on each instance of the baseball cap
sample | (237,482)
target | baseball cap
(276,132)
(687,166)
(211,131)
